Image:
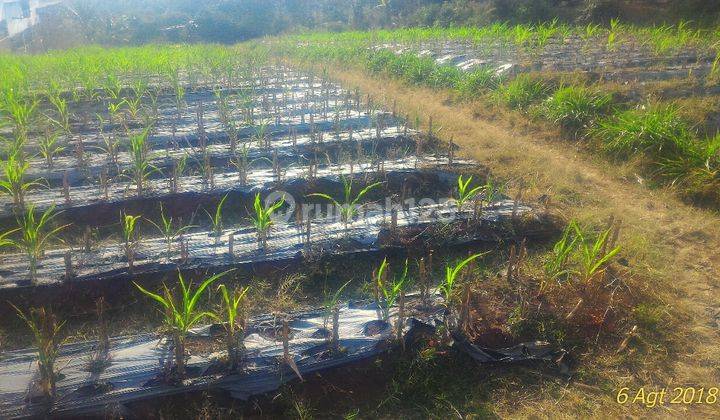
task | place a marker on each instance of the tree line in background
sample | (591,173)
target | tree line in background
(133,22)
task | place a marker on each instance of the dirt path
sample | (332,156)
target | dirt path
(675,245)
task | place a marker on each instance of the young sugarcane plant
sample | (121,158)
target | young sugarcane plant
(169,230)
(63,114)
(233,315)
(330,303)
(349,208)
(464,193)
(141,168)
(130,237)
(36,235)
(387,293)
(216,217)
(263,218)
(13,182)
(20,111)
(241,162)
(180,313)
(49,147)
(593,255)
(451,272)
(46,334)
(261,135)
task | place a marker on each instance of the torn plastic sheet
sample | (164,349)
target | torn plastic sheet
(286,241)
(136,362)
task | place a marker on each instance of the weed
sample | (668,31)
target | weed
(478,81)
(658,131)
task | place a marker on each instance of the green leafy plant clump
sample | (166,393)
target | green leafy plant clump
(180,312)
(658,131)
(576,108)
(521,92)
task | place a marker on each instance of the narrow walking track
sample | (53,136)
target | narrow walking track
(676,247)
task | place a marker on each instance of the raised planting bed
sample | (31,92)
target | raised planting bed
(416,226)
(141,367)
(94,201)
(623,62)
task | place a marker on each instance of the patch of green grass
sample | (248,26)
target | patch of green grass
(575,108)
(658,131)
(522,92)
(445,77)
(480,80)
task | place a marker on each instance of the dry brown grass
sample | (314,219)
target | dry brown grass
(671,246)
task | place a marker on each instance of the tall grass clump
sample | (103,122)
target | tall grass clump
(697,173)
(658,131)
(575,108)
(479,80)
(521,92)
(445,77)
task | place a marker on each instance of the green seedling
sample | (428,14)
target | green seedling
(141,168)
(387,293)
(46,334)
(330,302)
(36,235)
(451,272)
(169,230)
(593,255)
(130,237)
(464,193)
(233,314)
(63,114)
(13,181)
(263,218)
(180,313)
(216,217)
(49,147)
(349,208)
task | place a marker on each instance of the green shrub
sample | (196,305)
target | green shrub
(658,131)
(479,80)
(522,92)
(576,107)
(444,77)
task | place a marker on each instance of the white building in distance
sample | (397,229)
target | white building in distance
(18,15)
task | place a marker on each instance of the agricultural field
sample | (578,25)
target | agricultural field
(471,222)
